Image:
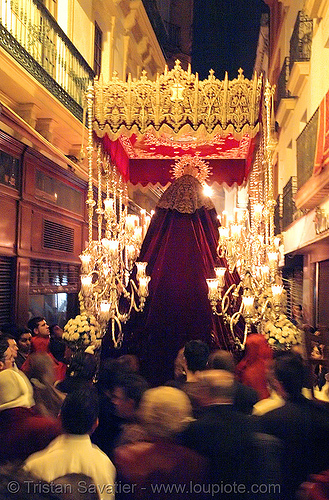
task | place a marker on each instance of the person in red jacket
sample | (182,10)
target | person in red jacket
(40,343)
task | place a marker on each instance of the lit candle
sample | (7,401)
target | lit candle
(130,249)
(224,218)
(248,305)
(143,212)
(130,222)
(143,286)
(108,205)
(147,221)
(265,272)
(258,210)
(104,310)
(141,269)
(138,234)
(220,273)
(113,248)
(86,284)
(85,261)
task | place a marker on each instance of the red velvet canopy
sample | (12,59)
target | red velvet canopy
(149,159)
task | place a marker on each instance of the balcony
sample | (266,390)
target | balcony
(301,40)
(312,189)
(306,146)
(288,204)
(314,8)
(285,101)
(300,53)
(278,215)
(33,38)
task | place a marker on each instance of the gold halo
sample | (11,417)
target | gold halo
(191,165)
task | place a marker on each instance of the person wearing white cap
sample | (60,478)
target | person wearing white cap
(22,432)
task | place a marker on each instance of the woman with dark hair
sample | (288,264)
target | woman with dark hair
(80,372)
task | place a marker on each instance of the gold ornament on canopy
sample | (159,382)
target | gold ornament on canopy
(177,102)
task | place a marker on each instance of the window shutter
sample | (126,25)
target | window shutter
(58,237)
(6,281)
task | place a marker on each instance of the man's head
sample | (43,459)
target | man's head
(38,326)
(221,360)
(23,339)
(216,387)
(6,354)
(79,413)
(127,393)
(165,411)
(289,371)
(196,354)
(56,331)
(12,344)
(9,332)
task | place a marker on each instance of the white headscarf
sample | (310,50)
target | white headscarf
(15,390)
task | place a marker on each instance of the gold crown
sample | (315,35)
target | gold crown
(191,165)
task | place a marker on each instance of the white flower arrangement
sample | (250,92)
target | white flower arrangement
(281,333)
(82,331)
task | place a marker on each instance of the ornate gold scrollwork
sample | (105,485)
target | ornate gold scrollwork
(177,102)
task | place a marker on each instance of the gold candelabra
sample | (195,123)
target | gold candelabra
(247,243)
(107,289)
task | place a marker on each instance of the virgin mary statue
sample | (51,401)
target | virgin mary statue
(181,250)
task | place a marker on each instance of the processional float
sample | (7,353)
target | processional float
(131,123)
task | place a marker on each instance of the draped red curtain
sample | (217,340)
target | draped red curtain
(180,249)
(228,169)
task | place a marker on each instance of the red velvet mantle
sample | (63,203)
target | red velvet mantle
(149,159)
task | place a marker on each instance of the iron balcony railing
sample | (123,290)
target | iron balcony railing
(306,146)
(283,92)
(288,204)
(278,215)
(31,35)
(301,40)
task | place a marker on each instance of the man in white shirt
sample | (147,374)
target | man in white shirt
(73,451)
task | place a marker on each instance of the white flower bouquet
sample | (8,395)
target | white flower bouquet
(281,333)
(81,332)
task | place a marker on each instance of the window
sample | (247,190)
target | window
(9,170)
(56,192)
(98,50)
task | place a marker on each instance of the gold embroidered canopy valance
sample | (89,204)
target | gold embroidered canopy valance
(177,103)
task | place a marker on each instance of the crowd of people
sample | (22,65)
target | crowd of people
(72,429)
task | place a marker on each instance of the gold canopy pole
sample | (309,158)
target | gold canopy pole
(269,148)
(90,198)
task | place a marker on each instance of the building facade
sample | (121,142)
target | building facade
(298,65)
(49,52)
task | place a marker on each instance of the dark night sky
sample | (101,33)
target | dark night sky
(225,35)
